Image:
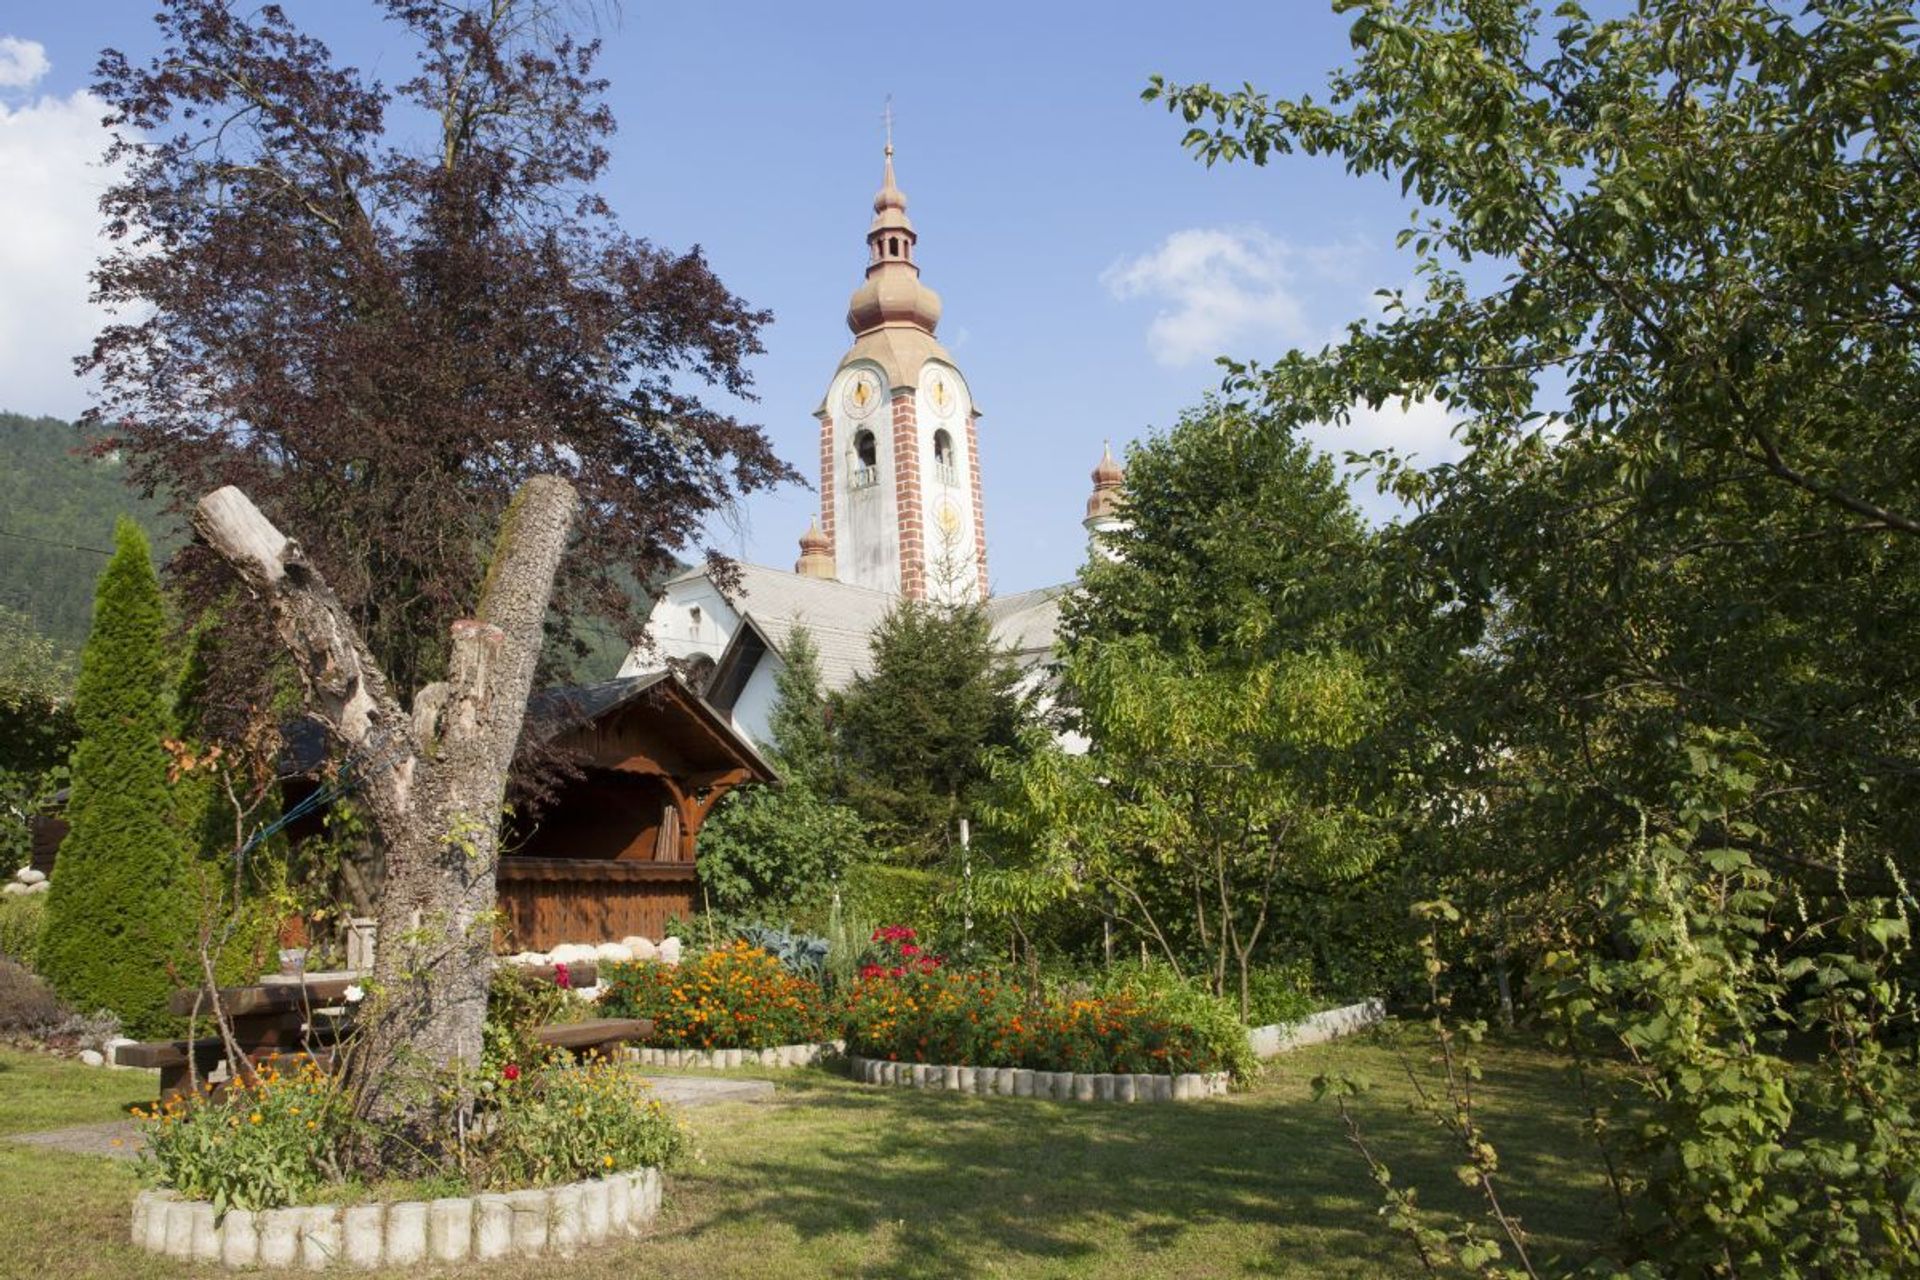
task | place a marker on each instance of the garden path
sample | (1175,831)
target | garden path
(120,1139)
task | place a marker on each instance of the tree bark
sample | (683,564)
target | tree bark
(433,782)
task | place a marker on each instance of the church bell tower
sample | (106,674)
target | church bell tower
(899,460)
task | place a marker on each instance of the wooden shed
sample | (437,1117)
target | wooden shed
(613,853)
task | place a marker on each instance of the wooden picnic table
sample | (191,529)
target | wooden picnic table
(304,1016)
(323,990)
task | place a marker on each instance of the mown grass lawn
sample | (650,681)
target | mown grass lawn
(836,1179)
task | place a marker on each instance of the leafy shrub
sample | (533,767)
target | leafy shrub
(907,895)
(517,1003)
(1280,993)
(258,1146)
(28,1006)
(765,848)
(567,1123)
(1209,1026)
(23,918)
(733,997)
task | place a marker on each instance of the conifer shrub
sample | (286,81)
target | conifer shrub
(117,925)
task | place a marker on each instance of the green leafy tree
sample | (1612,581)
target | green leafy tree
(766,849)
(1668,277)
(1206,790)
(115,929)
(1238,537)
(1241,548)
(915,731)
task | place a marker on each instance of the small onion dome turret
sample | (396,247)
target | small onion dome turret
(816,554)
(1108,477)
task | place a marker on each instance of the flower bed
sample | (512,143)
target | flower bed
(1057,1086)
(733,997)
(911,1008)
(279,1139)
(521,1224)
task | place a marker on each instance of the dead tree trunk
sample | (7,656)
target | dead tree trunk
(432,781)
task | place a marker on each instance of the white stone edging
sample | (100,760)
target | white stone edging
(1316,1028)
(541,1222)
(1058,1086)
(786,1055)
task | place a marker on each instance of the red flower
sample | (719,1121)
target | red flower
(561,978)
(871,971)
(510,1072)
(908,949)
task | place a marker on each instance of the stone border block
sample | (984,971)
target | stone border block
(1316,1028)
(779,1056)
(541,1222)
(1055,1086)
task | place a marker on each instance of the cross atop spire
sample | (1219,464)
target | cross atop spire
(886,115)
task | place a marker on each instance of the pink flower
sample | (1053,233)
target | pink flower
(561,978)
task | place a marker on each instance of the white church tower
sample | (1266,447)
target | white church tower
(900,496)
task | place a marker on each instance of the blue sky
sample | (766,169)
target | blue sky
(1090,269)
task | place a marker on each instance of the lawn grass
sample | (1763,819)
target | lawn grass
(836,1179)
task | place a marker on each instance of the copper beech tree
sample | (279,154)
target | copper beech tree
(379,307)
(432,779)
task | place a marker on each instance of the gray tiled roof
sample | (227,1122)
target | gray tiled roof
(838,616)
(1027,621)
(841,618)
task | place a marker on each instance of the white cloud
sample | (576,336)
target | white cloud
(22,62)
(1220,288)
(50,150)
(1421,432)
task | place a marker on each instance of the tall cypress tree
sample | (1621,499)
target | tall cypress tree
(115,924)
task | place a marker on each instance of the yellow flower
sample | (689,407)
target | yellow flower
(254,1118)
(607,1161)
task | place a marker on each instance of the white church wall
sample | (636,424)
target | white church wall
(753,710)
(691,619)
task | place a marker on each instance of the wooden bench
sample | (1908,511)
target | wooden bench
(179,1061)
(594,1035)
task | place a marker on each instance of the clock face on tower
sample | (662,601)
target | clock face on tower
(947,515)
(861,395)
(941,394)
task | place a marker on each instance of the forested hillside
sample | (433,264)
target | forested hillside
(57,508)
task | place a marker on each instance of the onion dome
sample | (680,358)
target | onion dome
(1108,477)
(816,553)
(892,293)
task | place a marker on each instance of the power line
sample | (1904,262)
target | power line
(49,542)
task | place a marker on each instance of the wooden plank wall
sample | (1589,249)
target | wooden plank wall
(581,903)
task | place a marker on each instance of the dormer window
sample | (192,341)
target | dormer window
(866,460)
(944,467)
(693,623)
